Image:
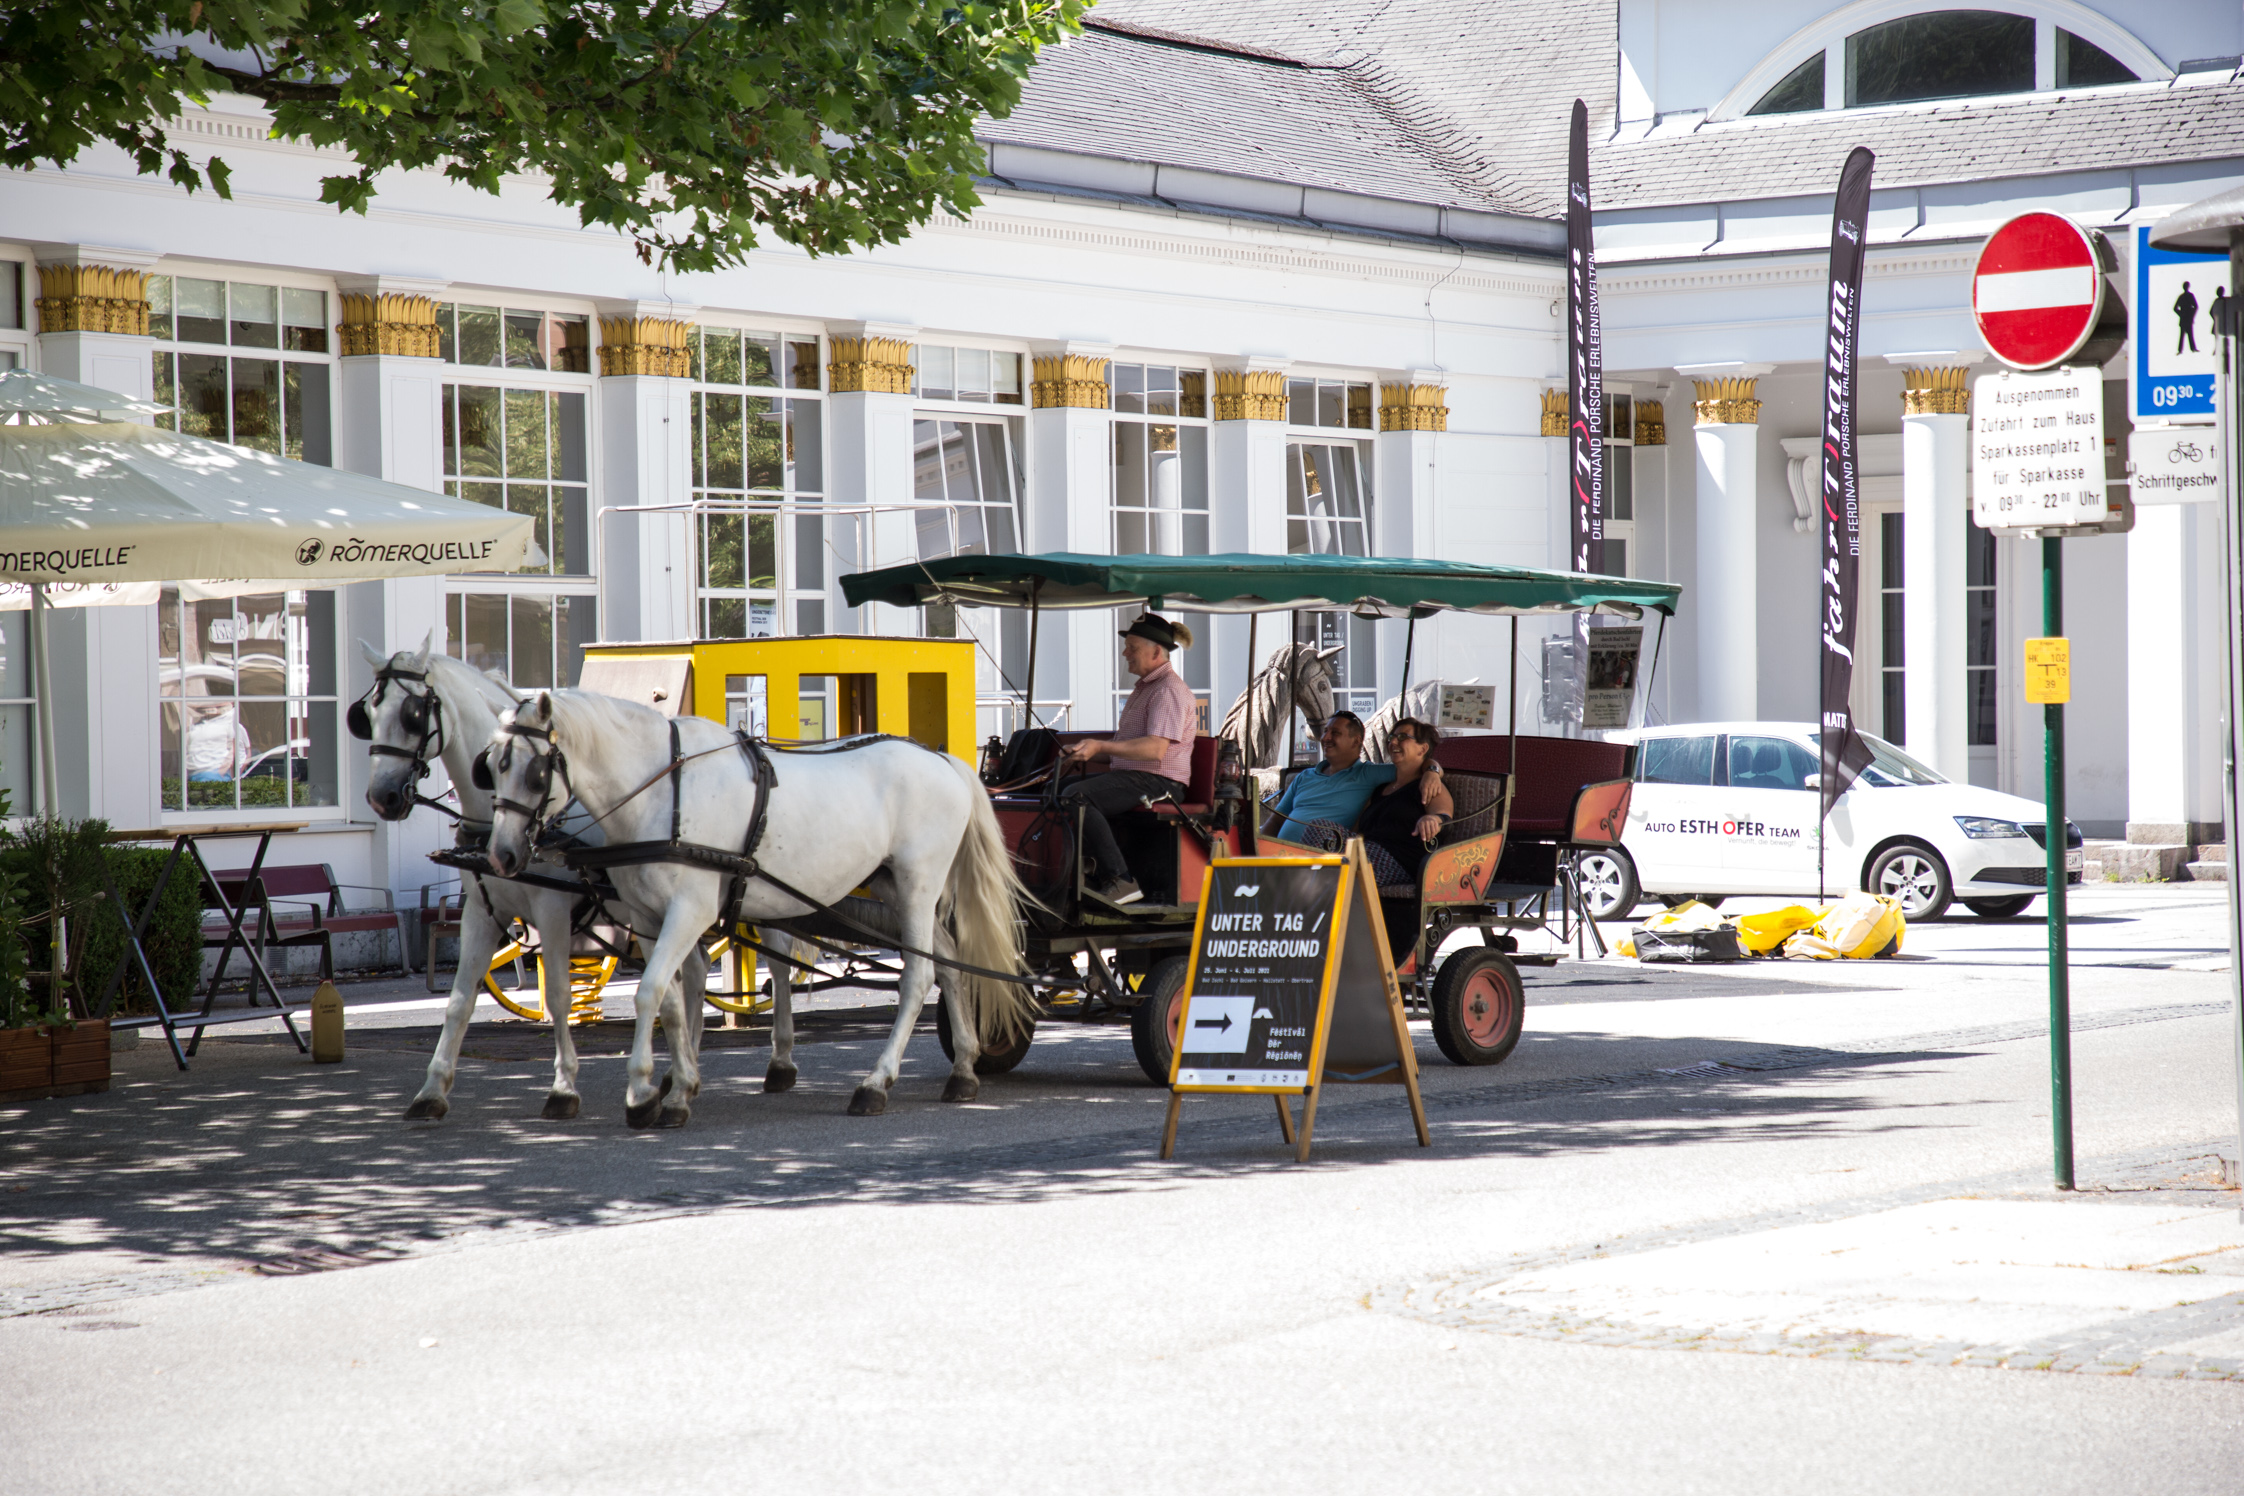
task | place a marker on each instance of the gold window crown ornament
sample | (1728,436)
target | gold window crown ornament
(1250,395)
(1558,410)
(1651,424)
(391,323)
(93,298)
(1068,380)
(1192,393)
(1935,392)
(1726,402)
(880,366)
(1413,407)
(645,345)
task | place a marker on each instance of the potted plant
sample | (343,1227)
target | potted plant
(42,1051)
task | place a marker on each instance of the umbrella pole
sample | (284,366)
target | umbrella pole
(1028,693)
(1410,641)
(1247,727)
(42,663)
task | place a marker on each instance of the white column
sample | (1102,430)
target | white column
(1247,513)
(647,584)
(1070,450)
(1404,508)
(869,452)
(389,424)
(2173,680)
(1727,595)
(1935,446)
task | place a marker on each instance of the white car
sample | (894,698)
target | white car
(1730,808)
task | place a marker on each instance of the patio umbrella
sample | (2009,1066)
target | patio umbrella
(89,496)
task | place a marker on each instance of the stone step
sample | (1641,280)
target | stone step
(2209,872)
(2213,852)
(2133,862)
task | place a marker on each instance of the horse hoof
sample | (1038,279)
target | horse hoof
(961,1088)
(427,1109)
(672,1116)
(642,1115)
(780,1078)
(559,1108)
(870,1101)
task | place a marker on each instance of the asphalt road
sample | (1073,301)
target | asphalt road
(254,1277)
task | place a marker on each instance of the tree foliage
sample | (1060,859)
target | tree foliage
(687,125)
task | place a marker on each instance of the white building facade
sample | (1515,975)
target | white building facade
(1250,279)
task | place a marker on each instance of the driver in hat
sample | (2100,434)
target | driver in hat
(1150,753)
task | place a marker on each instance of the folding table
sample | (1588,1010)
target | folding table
(185,845)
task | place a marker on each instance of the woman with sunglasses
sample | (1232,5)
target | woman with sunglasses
(1404,817)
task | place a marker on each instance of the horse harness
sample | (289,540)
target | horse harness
(422,714)
(594,861)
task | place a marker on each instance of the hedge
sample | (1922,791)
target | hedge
(173,940)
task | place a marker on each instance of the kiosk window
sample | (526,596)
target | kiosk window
(1678,761)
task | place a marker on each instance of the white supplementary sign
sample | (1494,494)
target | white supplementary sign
(1466,706)
(2037,450)
(2175,465)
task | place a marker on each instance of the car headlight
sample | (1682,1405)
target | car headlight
(1987,828)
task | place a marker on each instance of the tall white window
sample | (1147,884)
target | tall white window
(16,706)
(245,363)
(1620,483)
(521,441)
(1158,472)
(246,688)
(759,482)
(1328,498)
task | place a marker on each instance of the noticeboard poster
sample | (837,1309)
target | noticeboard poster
(1609,682)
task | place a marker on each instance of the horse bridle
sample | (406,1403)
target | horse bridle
(538,774)
(421,713)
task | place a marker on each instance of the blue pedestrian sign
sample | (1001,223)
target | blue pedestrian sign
(2176,292)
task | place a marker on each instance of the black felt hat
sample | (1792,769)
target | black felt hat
(1158,630)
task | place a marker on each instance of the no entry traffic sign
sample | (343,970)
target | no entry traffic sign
(2037,290)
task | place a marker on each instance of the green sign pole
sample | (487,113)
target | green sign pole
(2053,837)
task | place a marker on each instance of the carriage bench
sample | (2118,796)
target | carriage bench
(302,905)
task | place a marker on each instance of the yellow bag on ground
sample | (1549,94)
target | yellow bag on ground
(1858,927)
(1688,917)
(1764,932)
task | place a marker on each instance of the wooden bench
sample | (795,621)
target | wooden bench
(302,905)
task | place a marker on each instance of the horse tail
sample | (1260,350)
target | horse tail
(980,903)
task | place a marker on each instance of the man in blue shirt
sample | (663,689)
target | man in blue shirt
(1336,790)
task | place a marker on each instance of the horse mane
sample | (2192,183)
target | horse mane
(460,675)
(1270,690)
(588,712)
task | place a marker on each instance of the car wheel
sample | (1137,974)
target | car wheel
(1913,873)
(1608,882)
(1999,908)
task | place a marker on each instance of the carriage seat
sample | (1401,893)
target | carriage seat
(1199,790)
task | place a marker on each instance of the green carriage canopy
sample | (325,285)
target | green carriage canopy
(1377,586)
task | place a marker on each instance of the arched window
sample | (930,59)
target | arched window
(1801,90)
(1946,54)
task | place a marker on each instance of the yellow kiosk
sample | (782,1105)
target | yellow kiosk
(802,689)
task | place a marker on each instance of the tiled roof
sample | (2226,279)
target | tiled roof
(1925,144)
(1144,98)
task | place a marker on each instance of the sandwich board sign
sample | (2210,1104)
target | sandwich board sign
(1291,989)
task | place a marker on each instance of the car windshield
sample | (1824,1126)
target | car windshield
(1889,766)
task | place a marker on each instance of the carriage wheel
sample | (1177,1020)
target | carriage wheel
(990,1061)
(1153,1022)
(749,1002)
(1479,1006)
(534,1010)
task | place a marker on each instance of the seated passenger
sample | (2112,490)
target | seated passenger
(1402,819)
(1320,805)
(1149,754)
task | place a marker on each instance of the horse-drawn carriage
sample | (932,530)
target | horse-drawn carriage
(1503,865)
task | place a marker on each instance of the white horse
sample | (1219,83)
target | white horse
(425,708)
(1300,678)
(912,822)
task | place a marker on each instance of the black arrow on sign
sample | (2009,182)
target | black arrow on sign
(1224,1023)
